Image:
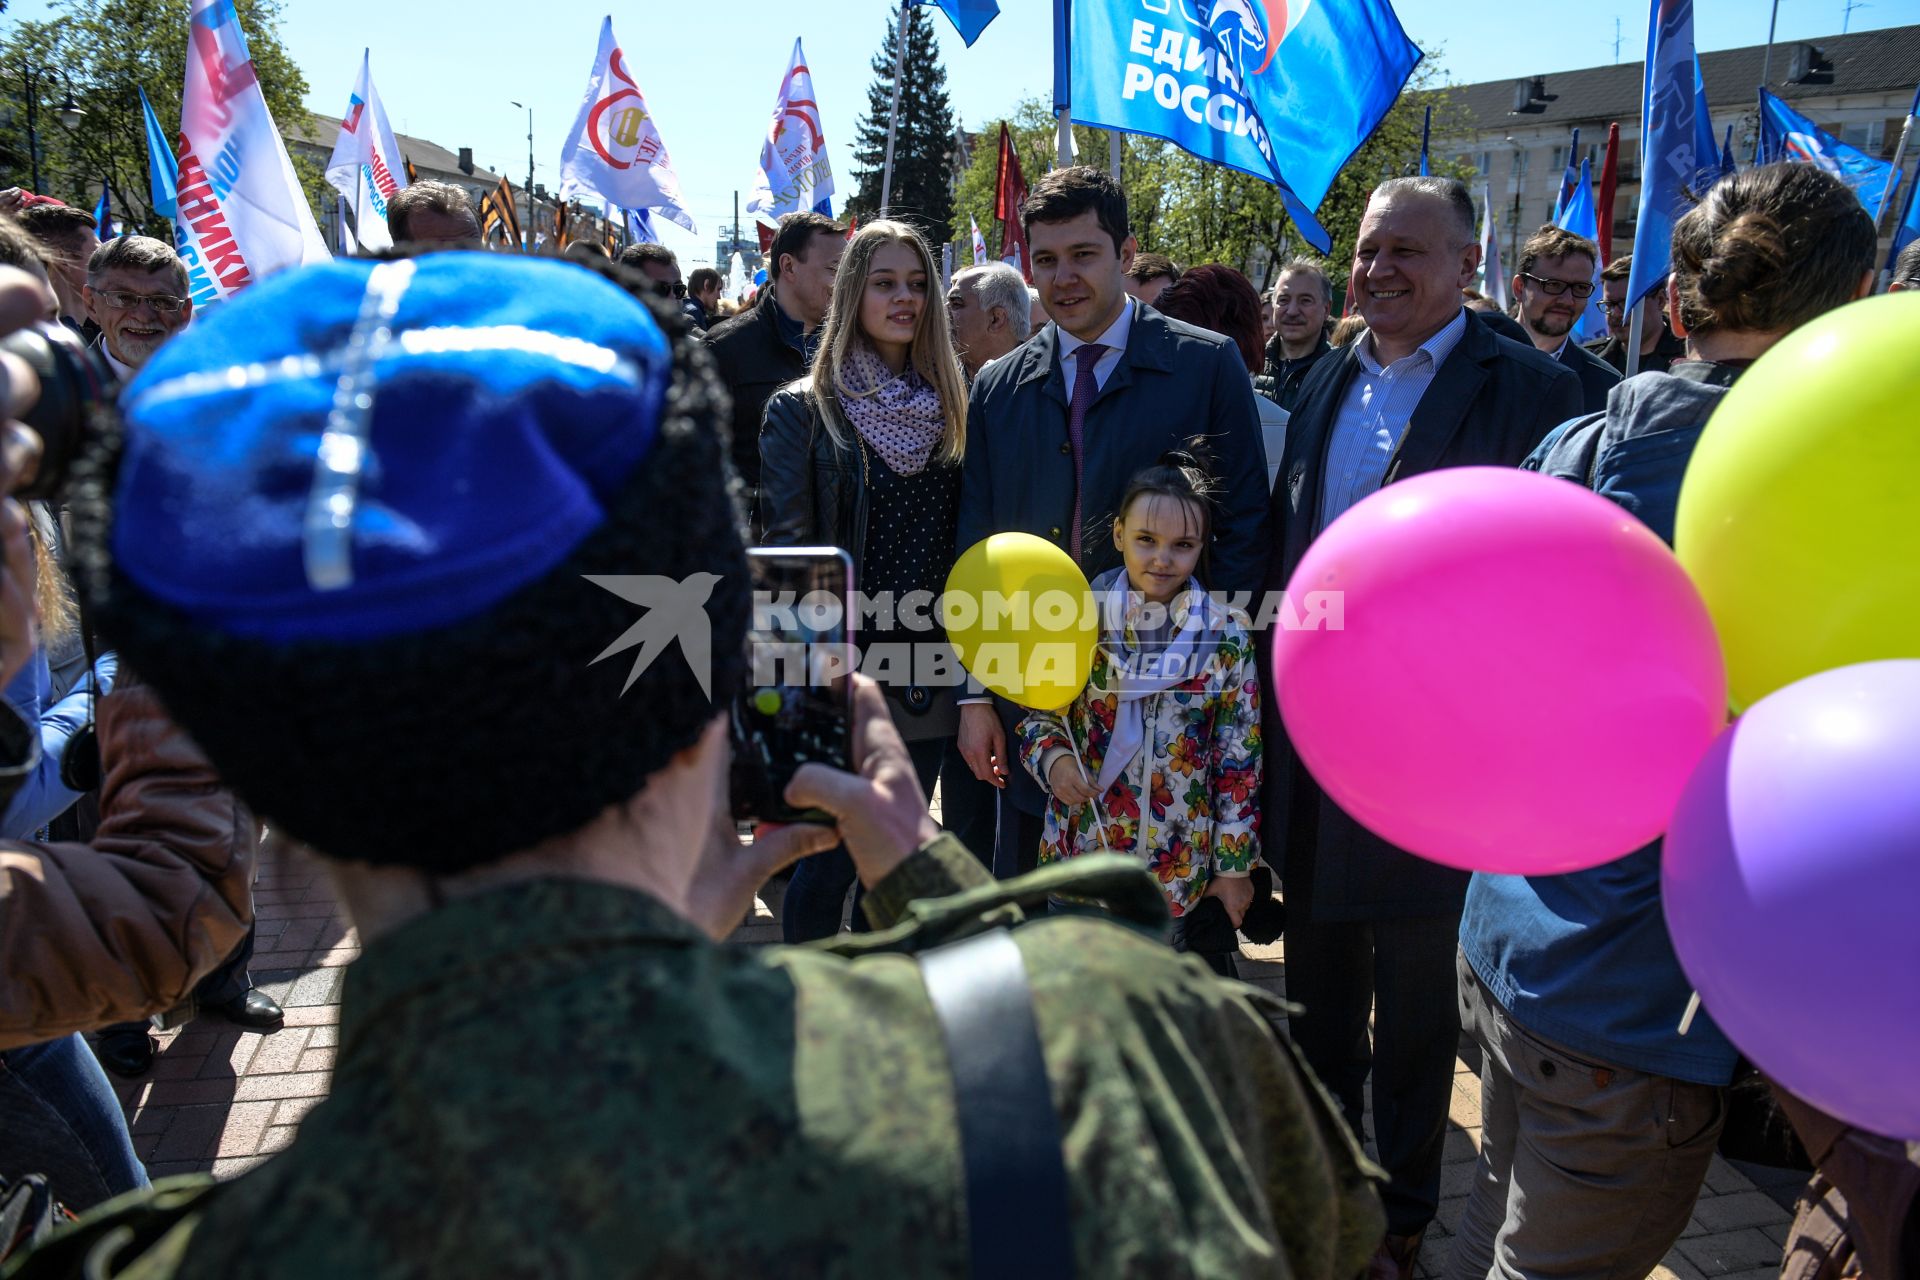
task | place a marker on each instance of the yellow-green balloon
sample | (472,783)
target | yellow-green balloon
(1021,616)
(1799,517)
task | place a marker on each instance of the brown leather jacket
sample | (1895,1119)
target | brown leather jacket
(125,926)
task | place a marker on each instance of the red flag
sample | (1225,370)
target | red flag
(853,225)
(766,237)
(1603,199)
(1009,193)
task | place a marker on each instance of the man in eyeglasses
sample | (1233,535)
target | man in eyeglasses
(657,263)
(136,291)
(1554,285)
(1659,348)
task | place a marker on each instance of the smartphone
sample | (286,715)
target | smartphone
(798,704)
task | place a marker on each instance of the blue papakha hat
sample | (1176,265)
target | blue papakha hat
(365,449)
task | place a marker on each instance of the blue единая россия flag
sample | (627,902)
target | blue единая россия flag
(1285,90)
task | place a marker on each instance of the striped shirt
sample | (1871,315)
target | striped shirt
(1373,417)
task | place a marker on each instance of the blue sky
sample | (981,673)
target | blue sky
(709,71)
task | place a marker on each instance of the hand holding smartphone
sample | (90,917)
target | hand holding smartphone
(797,708)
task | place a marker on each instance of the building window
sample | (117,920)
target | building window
(1485,163)
(1869,136)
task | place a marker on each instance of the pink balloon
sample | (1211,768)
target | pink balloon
(1523,679)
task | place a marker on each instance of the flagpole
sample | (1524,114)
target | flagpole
(893,117)
(1886,199)
(1636,333)
(1062,83)
(1899,158)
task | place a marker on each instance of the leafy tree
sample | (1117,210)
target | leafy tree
(923,143)
(109,48)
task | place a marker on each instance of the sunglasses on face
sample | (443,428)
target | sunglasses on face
(670,289)
(120,300)
(1554,288)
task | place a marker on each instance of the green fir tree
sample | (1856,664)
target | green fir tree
(923,145)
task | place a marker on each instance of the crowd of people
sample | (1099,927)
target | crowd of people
(328,564)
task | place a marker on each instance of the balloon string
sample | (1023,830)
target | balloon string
(1693,1008)
(1099,814)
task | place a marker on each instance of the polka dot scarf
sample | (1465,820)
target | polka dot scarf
(898,414)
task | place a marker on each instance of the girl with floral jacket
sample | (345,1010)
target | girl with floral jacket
(1159,758)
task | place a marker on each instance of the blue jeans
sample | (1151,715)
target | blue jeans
(58,1116)
(817,894)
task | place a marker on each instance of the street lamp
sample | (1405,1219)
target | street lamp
(527,230)
(1519,180)
(1766,67)
(70,111)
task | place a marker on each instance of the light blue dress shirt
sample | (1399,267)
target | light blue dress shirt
(1374,416)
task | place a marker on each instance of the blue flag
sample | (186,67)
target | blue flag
(1785,134)
(163,171)
(1570,180)
(1671,159)
(1907,230)
(1426,133)
(640,228)
(103,213)
(1728,165)
(1284,91)
(969,17)
(1581,217)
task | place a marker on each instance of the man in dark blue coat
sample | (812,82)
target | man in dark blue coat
(1057,427)
(1555,267)
(1370,927)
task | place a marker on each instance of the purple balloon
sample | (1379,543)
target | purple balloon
(1792,889)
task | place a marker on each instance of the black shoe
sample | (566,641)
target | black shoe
(127,1054)
(256,1011)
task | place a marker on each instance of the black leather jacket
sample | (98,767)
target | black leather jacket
(812,491)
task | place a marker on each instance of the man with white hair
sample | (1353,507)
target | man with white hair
(136,291)
(990,311)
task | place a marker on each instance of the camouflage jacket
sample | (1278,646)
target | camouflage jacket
(564,1079)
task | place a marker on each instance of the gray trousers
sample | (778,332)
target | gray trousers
(1586,1170)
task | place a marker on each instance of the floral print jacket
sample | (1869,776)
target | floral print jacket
(1189,803)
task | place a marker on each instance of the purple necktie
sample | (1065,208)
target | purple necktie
(1083,388)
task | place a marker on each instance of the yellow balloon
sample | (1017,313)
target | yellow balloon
(1022,618)
(1799,517)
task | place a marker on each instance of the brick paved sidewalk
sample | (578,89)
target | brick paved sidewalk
(220,1099)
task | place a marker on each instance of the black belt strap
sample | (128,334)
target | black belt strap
(1019,1221)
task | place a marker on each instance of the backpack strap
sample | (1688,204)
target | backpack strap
(1019,1222)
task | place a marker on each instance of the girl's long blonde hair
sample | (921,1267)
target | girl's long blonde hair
(931,354)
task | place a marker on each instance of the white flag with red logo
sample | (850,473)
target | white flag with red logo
(238,193)
(365,166)
(795,176)
(615,152)
(979,242)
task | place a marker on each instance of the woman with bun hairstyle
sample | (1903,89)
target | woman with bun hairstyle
(1601,1116)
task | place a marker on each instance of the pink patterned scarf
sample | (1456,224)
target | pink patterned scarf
(899,414)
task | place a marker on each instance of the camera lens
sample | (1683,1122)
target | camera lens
(74,378)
